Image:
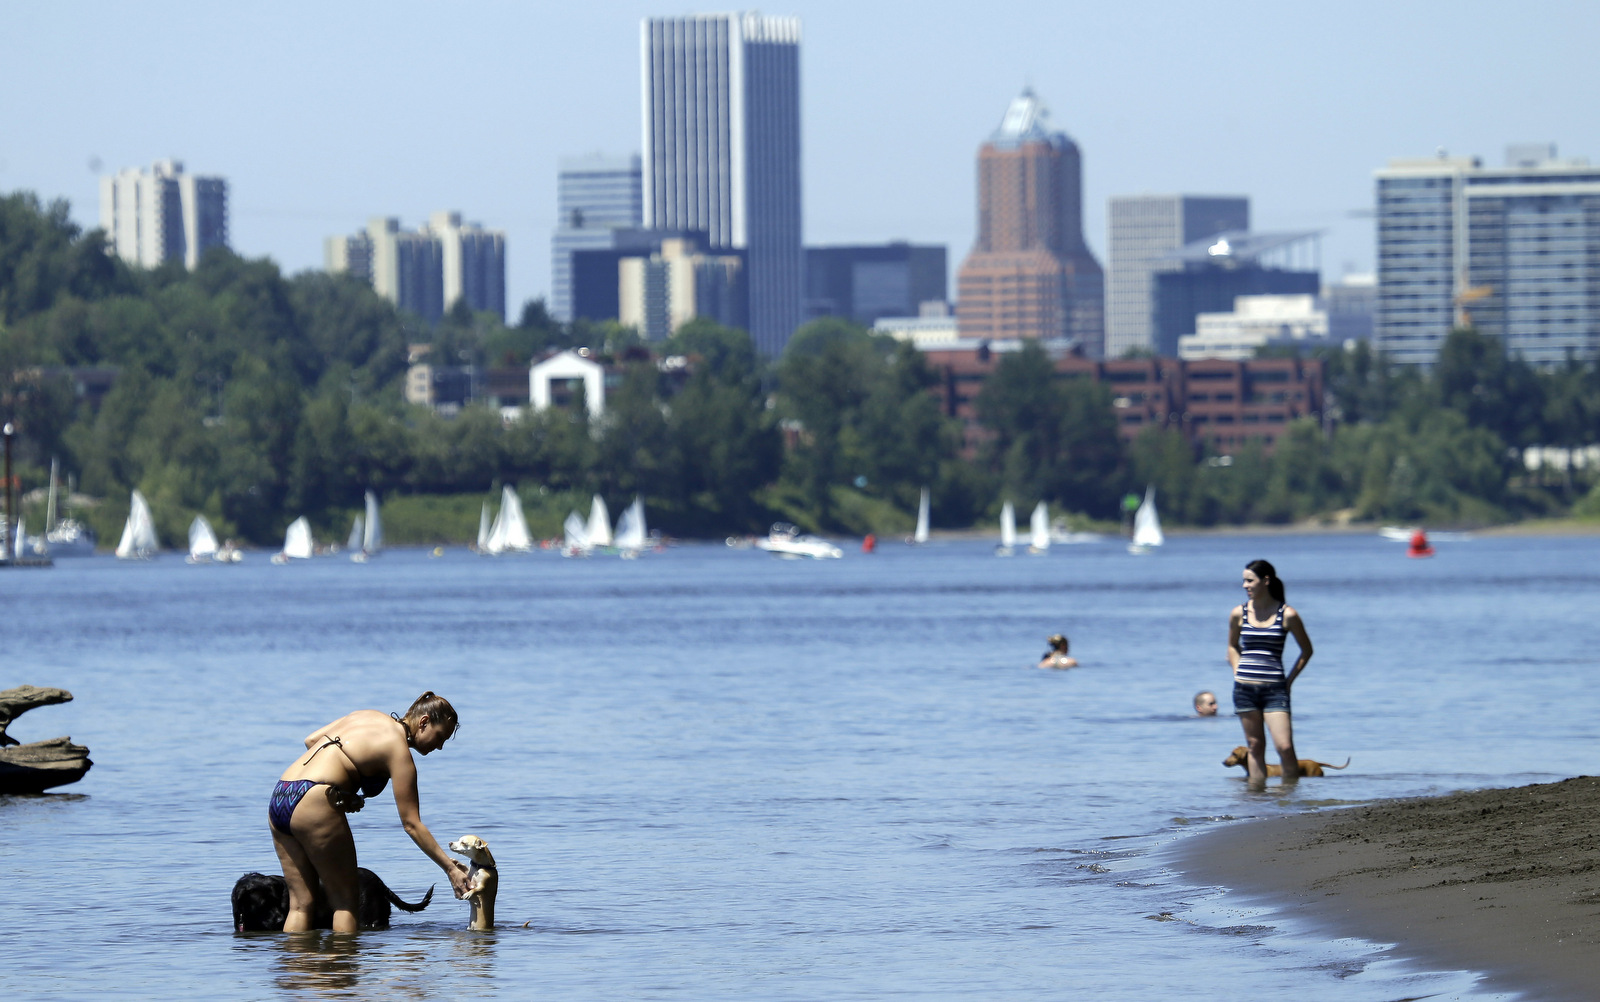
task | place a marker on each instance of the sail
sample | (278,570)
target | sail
(1008,525)
(20,541)
(50,505)
(577,532)
(297,541)
(483,529)
(139,532)
(1146,524)
(202,541)
(514,528)
(1039,527)
(921,535)
(630,527)
(599,523)
(357,534)
(372,537)
(494,543)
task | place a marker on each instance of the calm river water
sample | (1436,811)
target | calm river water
(709,774)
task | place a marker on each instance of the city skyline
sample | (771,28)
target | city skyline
(1154,98)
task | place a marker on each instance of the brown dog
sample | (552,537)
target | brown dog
(1308,766)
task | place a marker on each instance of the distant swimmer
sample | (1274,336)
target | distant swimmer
(1205,703)
(1057,656)
(1258,629)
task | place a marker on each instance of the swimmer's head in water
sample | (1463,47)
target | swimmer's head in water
(1059,643)
(1205,703)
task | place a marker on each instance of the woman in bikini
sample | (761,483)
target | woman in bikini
(347,761)
(1257,631)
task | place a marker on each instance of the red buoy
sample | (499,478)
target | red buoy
(1419,545)
(869,544)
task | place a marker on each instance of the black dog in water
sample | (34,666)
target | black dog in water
(261,903)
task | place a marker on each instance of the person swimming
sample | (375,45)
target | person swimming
(1057,656)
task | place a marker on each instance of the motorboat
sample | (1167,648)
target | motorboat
(787,541)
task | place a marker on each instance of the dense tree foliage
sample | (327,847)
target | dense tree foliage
(254,397)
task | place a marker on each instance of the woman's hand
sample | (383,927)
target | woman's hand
(458,879)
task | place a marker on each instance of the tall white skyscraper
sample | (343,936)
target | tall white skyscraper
(595,197)
(721,97)
(163,214)
(1144,229)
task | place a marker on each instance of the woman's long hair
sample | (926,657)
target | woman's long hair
(1269,574)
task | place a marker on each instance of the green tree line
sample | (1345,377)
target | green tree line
(254,398)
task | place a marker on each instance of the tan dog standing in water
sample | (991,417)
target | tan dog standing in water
(482,879)
(1308,766)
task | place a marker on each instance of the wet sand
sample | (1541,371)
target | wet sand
(1504,882)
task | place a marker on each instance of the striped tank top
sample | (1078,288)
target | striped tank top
(1260,648)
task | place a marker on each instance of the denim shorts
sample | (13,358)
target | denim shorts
(1263,697)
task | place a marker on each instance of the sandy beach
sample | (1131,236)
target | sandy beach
(1505,882)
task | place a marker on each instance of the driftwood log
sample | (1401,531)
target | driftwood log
(41,765)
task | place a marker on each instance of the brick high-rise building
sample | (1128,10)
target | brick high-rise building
(1030,274)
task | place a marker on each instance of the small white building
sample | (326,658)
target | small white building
(934,326)
(1255,321)
(554,381)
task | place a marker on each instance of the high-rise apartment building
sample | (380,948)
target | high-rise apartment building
(1514,251)
(1144,229)
(661,292)
(721,95)
(162,214)
(428,270)
(1030,274)
(473,260)
(596,196)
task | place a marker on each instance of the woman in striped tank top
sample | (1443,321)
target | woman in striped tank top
(1257,631)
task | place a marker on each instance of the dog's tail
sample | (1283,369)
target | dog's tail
(1325,765)
(404,905)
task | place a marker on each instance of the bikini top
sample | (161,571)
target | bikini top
(368,787)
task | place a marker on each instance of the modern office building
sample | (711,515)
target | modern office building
(1208,275)
(721,96)
(661,292)
(869,282)
(1143,230)
(1514,251)
(596,273)
(1030,274)
(162,214)
(1350,303)
(595,197)
(428,270)
(1252,324)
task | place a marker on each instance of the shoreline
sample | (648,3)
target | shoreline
(1502,882)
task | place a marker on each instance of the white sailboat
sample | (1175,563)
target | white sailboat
(483,529)
(510,530)
(920,536)
(1039,530)
(297,542)
(1146,525)
(1008,531)
(139,532)
(575,531)
(202,541)
(371,540)
(599,523)
(631,536)
(67,537)
(358,530)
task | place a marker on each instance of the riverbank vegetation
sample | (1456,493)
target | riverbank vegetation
(253,398)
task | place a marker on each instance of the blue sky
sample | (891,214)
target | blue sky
(321,115)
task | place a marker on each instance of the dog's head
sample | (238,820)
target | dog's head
(260,903)
(474,848)
(1237,756)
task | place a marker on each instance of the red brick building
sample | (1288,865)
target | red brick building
(1218,404)
(1030,273)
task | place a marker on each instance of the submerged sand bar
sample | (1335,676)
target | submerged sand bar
(1503,882)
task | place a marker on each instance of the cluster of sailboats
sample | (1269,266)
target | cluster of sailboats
(582,538)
